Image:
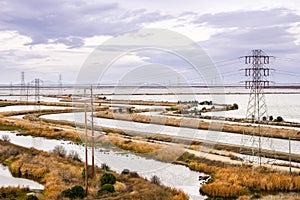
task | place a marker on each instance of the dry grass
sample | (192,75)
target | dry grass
(236,181)
(41,129)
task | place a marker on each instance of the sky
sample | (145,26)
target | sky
(47,38)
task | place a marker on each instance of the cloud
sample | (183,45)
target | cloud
(70,21)
(58,35)
(249,19)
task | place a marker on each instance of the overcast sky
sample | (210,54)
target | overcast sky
(50,37)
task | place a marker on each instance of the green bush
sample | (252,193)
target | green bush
(107,178)
(278,119)
(106,188)
(235,106)
(74,192)
(32,197)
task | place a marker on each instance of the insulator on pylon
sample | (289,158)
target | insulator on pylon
(266,59)
(247,59)
(266,72)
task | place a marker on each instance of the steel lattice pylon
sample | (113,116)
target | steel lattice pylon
(22,86)
(258,72)
(257,108)
(37,89)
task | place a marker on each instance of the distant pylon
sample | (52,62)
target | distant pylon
(37,89)
(258,71)
(60,88)
(11,89)
(22,86)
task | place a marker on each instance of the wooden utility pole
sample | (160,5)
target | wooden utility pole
(92,127)
(85,149)
(290,159)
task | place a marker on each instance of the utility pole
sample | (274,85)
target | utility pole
(290,159)
(92,127)
(85,148)
(258,72)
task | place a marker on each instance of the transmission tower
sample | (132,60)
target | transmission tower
(258,72)
(11,89)
(60,88)
(22,89)
(37,89)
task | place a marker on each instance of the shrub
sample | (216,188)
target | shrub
(74,192)
(60,150)
(90,172)
(5,138)
(256,196)
(74,155)
(271,118)
(134,175)
(125,171)
(106,188)
(105,167)
(235,106)
(278,119)
(155,180)
(32,197)
(108,178)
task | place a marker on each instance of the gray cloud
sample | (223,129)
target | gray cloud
(249,19)
(68,21)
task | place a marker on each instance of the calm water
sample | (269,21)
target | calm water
(6,180)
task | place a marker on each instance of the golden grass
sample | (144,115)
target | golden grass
(41,129)
(236,181)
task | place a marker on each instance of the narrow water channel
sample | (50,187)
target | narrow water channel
(6,180)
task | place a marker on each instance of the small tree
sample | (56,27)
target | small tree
(108,178)
(271,118)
